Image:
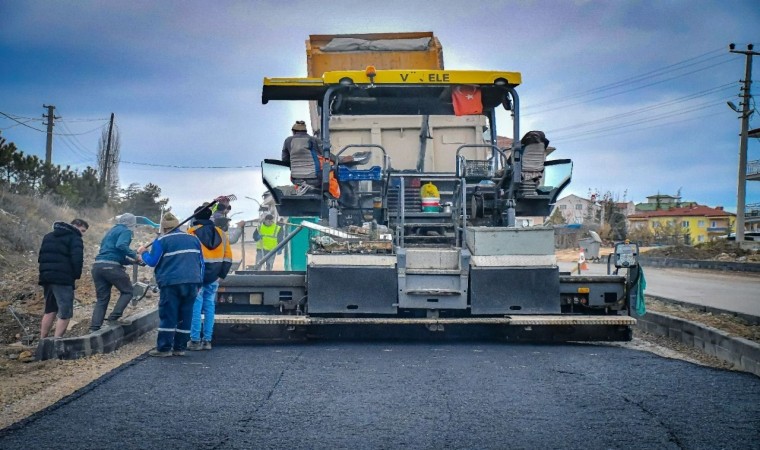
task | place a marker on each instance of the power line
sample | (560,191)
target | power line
(174,166)
(647,119)
(75,147)
(15,119)
(660,71)
(623,92)
(15,125)
(72,150)
(99,127)
(612,131)
(21,123)
(16,116)
(647,108)
(87,120)
(602,134)
(74,139)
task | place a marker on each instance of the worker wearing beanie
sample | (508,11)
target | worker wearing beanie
(217,258)
(108,270)
(178,260)
(301,152)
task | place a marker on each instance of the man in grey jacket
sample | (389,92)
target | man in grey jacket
(302,152)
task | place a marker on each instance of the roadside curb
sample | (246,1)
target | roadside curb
(750,319)
(726,266)
(742,353)
(105,340)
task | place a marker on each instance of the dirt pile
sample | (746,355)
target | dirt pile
(719,250)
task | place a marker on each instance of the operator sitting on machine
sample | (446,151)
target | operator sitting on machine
(302,153)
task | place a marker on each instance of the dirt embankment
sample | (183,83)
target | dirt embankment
(718,250)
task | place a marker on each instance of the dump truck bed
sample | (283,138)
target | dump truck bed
(358,51)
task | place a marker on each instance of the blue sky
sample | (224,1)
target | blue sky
(634,92)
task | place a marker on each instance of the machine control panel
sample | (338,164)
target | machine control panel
(626,255)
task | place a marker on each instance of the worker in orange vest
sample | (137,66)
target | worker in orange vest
(217,260)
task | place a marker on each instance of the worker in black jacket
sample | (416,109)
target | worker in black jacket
(61,258)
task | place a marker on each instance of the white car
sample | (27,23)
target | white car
(748,236)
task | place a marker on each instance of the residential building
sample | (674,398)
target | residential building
(627,208)
(752,209)
(662,201)
(690,224)
(578,209)
(575,209)
(752,217)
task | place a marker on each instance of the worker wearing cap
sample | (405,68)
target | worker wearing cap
(267,235)
(217,257)
(302,152)
(178,262)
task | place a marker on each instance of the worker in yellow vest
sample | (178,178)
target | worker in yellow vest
(267,235)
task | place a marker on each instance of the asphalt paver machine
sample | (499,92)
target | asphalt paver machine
(432,233)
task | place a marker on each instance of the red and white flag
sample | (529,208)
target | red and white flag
(466,100)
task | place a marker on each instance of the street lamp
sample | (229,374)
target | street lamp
(251,198)
(262,208)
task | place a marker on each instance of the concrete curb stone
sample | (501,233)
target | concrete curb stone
(105,340)
(742,353)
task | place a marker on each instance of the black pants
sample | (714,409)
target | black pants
(107,276)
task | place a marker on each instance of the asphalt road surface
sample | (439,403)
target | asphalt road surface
(475,395)
(738,292)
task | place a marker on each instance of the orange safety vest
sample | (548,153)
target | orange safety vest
(214,258)
(333,187)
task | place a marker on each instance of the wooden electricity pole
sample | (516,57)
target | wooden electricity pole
(50,123)
(106,159)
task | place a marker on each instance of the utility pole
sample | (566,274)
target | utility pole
(50,123)
(106,160)
(745,113)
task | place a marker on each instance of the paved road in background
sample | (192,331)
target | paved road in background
(391,395)
(738,292)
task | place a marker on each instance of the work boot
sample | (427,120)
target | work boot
(160,354)
(194,346)
(178,352)
(205,345)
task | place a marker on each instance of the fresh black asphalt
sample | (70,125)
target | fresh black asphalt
(329,395)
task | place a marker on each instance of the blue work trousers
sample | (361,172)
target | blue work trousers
(205,303)
(175,315)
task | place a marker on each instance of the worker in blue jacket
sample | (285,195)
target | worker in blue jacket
(178,263)
(108,271)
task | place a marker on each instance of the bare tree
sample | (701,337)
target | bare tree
(110,167)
